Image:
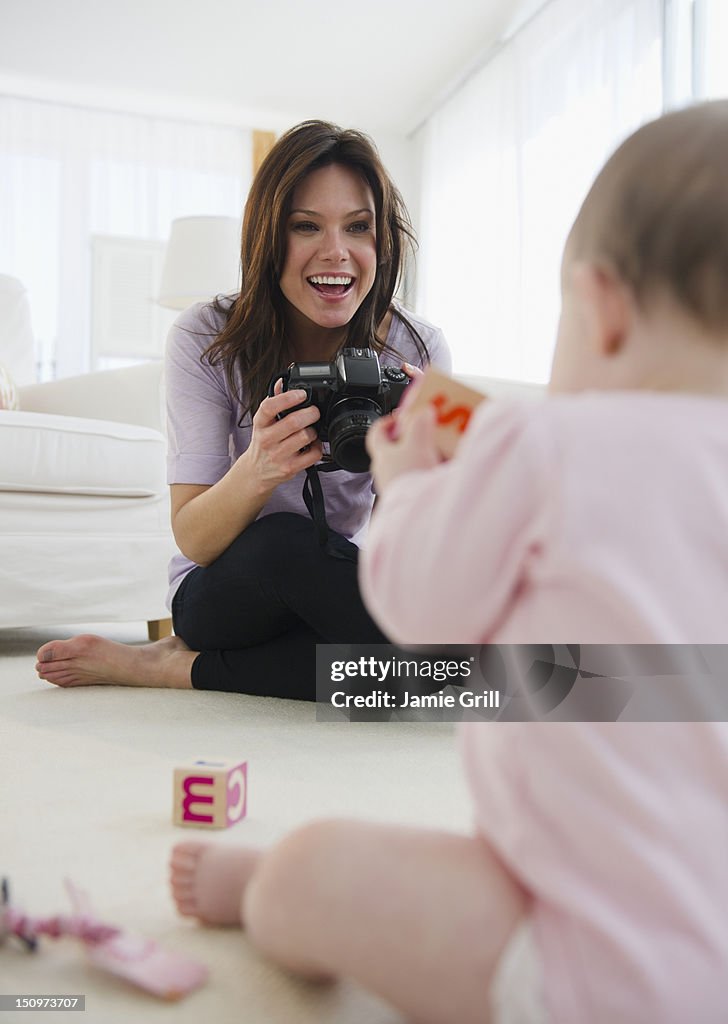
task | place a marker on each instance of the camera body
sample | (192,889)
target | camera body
(350,393)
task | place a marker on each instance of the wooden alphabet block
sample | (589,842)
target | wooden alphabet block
(210,793)
(453,402)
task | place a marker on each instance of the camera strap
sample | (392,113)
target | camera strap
(333,543)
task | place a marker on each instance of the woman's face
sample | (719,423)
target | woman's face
(331,251)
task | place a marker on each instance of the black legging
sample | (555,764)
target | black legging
(257,612)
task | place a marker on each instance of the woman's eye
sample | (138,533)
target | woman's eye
(304,226)
(360,226)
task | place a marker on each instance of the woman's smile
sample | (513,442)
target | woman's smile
(332,286)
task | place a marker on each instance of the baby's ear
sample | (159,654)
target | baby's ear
(606,305)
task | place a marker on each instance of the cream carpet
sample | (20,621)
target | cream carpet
(85,792)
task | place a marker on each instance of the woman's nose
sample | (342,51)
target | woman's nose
(333,246)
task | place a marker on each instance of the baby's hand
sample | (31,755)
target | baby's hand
(401,444)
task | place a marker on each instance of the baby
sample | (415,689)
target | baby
(595,886)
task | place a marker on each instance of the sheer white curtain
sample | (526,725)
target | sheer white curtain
(68,173)
(506,162)
(711,25)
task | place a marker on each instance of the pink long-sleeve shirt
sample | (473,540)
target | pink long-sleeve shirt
(593,519)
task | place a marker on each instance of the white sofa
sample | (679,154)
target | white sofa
(84,506)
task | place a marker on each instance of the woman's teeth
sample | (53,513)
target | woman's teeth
(327,284)
(319,279)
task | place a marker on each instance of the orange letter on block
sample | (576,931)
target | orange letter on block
(458,414)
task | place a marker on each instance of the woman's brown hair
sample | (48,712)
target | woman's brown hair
(252,346)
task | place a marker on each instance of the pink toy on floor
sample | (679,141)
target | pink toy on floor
(141,961)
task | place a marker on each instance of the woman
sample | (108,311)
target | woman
(257,582)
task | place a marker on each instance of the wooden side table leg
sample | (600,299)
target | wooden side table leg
(159,628)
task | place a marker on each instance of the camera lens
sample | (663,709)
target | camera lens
(348,423)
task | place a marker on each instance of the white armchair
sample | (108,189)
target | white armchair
(84,507)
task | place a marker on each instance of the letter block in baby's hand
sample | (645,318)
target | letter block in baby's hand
(210,793)
(454,404)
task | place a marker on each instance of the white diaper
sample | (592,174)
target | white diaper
(516,994)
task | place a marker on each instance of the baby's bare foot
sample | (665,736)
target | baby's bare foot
(208,881)
(85,660)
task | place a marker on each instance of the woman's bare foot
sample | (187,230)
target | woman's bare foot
(85,660)
(208,881)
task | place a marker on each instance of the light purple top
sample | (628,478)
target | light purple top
(204,439)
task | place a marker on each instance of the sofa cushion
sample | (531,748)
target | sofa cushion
(69,455)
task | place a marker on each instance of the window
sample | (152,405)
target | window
(710,28)
(507,161)
(68,175)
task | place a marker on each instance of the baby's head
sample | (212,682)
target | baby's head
(645,267)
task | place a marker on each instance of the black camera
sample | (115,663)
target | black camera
(350,393)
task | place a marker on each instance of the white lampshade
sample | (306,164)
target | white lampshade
(202,260)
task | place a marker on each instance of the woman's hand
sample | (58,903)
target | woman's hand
(415,374)
(401,443)
(281,448)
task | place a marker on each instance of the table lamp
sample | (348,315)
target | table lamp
(202,260)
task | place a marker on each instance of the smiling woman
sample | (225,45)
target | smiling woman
(256,585)
(331,257)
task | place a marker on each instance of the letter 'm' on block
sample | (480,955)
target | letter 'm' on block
(196,792)
(210,793)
